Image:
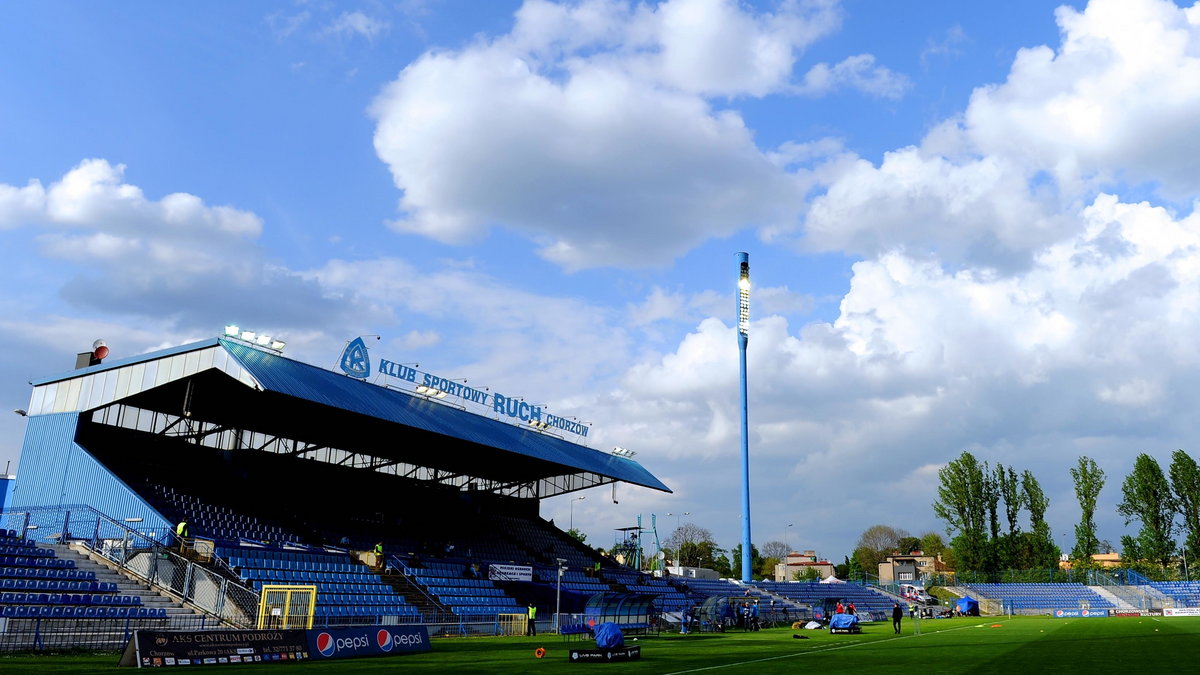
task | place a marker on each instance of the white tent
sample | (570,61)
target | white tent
(832,580)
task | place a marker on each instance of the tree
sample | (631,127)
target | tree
(875,543)
(687,532)
(1040,549)
(700,554)
(806,574)
(1185,485)
(907,545)
(1008,485)
(991,495)
(1148,499)
(766,567)
(932,543)
(755,559)
(842,571)
(864,559)
(854,570)
(1089,479)
(1012,496)
(723,566)
(775,549)
(962,505)
(581,536)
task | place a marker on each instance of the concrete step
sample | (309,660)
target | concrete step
(126,585)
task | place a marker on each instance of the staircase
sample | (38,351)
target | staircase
(178,616)
(1107,594)
(416,596)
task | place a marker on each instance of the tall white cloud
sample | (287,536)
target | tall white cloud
(592,129)
(1119,99)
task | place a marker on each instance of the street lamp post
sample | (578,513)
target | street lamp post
(785,537)
(558,595)
(677,515)
(743,330)
(682,539)
(580,497)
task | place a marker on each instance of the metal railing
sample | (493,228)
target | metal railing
(55,634)
(141,554)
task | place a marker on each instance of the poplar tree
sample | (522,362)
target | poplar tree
(1041,546)
(1089,480)
(963,506)
(1185,484)
(1009,487)
(1148,499)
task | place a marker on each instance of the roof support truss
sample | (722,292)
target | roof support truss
(223,437)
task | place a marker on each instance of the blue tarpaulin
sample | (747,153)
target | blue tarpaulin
(843,621)
(608,636)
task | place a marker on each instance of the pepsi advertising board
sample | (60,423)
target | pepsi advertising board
(155,649)
(1080,613)
(345,643)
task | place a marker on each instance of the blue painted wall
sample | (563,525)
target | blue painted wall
(55,471)
(6,487)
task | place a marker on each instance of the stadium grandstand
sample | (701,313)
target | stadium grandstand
(287,473)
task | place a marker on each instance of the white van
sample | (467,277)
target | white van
(915,593)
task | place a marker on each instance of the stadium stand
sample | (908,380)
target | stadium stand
(52,599)
(1034,596)
(347,591)
(283,471)
(1184,593)
(868,602)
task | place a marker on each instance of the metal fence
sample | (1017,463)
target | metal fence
(46,634)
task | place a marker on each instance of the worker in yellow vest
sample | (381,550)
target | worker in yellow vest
(181,532)
(531,625)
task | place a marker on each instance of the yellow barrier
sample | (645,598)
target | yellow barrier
(284,606)
(512,624)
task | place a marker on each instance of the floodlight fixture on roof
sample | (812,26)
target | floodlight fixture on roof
(251,337)
(623,452)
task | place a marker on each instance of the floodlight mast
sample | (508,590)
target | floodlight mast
(743,340)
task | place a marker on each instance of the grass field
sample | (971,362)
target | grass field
(968,645)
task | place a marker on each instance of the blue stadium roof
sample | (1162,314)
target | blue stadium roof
(300,380)
(241,386)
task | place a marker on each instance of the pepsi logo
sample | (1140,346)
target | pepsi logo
(383,638)
(326,645)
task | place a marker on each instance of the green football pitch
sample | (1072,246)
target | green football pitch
(969,645)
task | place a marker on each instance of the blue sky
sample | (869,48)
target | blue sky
(971,225)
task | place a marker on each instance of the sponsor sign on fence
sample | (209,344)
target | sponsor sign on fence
(1080,613)
(151,648)
(193,648)
(510,572)
(348,643)
(605,655)
(1181,611)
